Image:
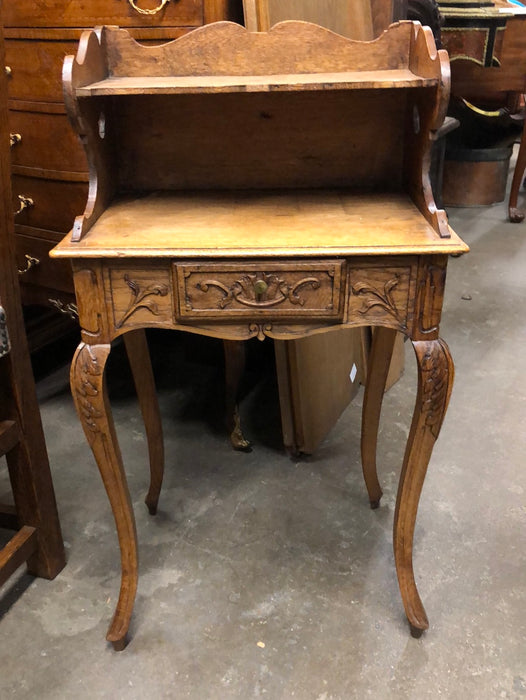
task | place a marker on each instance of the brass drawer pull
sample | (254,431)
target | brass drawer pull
(30,262)
(25,203)
(70,309)
(149,12)
(8,71)
(14,139)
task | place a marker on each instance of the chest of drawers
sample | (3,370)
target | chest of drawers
(48,162)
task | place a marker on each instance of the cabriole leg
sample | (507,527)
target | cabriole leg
(91,401)
(378,369)
(234,367)
(141,367)
(435,381)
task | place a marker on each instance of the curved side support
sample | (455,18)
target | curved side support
(234,367)
(139,359)
(435,381)
(91,401)
(378,369)
(517,215)
(89,122)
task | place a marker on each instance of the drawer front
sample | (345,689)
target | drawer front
(38,269)
(381,295)
(36,68)
(259,289)
(55,203)
(65,13)
(46,141)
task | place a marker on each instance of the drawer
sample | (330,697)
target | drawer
(32,256)
(55,203)
(258,289)
(36,68)
(65,13)
(47,141)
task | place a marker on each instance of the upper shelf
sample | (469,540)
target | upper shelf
(347,80)
(225,57)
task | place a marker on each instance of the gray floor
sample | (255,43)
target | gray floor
(261,576)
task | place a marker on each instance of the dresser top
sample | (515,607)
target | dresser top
(260,223)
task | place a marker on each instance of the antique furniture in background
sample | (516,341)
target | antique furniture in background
(38,539)
(325,220)
(362,20)
(48,161)
(486,43)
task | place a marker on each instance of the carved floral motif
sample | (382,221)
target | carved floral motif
(139,298)
(260,330)
(435,384)
(376,297)
(260,290)
(88,389)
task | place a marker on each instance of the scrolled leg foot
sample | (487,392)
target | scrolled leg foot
(237,439)
(435,381)
(516,215)
(120,644)
(416,632)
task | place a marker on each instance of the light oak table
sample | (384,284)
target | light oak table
(262,184)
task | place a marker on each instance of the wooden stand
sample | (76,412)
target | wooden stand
(38,539)
(262,184)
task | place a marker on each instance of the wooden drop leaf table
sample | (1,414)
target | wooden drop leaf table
(252,184)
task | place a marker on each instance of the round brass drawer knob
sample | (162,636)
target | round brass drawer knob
(260,287)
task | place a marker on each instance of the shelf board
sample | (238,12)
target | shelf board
(260,223)
(349,80)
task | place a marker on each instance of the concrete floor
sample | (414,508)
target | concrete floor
(262,576)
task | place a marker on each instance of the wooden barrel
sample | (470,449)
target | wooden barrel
(475,176)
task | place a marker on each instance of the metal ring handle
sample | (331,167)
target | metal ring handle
(30,262)
(70,309)
(25,202)
(149,12)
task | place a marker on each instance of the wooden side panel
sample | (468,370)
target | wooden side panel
(222,141)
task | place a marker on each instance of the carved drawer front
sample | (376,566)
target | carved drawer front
(259,289)
(381,295)
(45,141)
(48,204)
(65,13)
(141,296)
